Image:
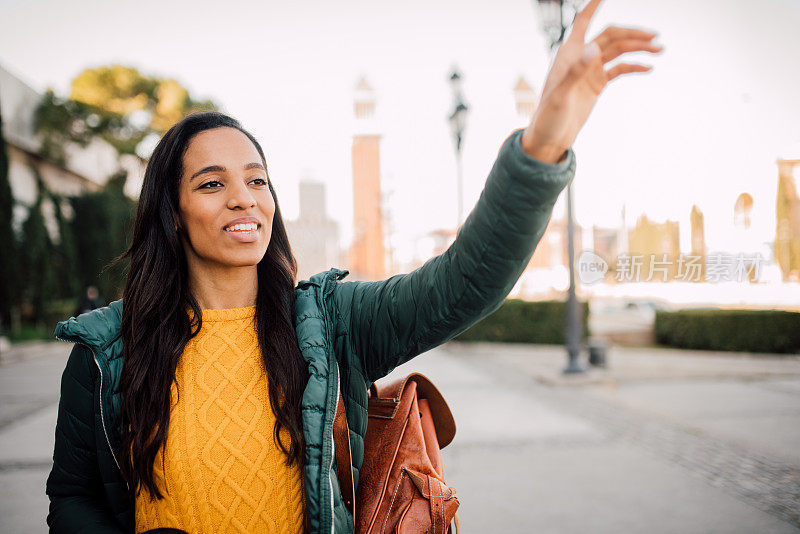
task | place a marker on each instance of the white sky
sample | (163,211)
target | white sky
(707,124)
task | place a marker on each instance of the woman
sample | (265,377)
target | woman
(206,402)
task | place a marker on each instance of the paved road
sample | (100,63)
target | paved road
(29,392)
(661,441)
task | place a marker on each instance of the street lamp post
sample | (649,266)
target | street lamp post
(458,123)
(551,14)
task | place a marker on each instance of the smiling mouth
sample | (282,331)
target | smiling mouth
(242,227)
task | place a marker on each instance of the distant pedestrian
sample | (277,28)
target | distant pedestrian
(90,300)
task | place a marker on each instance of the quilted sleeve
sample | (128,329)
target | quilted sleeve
(74,485)
(391,321)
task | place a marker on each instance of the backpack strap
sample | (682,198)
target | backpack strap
(440,411)
(344,464)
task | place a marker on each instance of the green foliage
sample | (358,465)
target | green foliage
(730,330)
(35,260)
(8,245)
(519,321)
(30,332)
(55,273)
(58,122)
(53,312)
(115,103)
(64,256)
(57,310)
(101,225)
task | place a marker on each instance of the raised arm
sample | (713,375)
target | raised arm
(393,320)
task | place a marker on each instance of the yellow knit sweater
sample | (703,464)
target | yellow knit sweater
(224,471)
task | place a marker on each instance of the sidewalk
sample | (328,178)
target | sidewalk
(30,378)
(27,350)
(545,363)
(662,442)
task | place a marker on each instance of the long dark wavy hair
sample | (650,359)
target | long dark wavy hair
(156,326)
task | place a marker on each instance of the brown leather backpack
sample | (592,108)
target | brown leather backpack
(401,486)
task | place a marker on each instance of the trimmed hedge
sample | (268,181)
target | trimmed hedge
(732,330)
(520,321)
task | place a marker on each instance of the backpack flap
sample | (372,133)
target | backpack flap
(383,402)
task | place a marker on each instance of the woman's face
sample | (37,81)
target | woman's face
(226,208)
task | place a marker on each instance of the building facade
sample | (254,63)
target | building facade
(85,168)
(787,224)
(314,236)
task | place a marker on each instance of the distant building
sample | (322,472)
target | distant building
(525,99)
(742,211)
(698,241)
(655,249)
(552,248)
(314,236)
(610,244)
(606,244)
(441,240)
(368,250)
(787,224)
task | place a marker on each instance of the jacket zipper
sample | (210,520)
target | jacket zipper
(333,455)
(102,417)
(338,392)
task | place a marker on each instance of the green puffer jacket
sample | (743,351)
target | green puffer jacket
(364,329)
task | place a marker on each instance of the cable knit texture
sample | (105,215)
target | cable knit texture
(224,471)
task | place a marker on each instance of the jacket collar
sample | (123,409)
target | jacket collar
(97,329)
(321,279)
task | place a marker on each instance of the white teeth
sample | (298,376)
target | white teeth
(243,227)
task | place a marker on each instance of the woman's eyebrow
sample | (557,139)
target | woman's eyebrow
(220,168)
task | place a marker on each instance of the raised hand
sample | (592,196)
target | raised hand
(576,78)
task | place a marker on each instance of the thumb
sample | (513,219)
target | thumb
(590,52)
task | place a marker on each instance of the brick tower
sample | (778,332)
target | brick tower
(367,253)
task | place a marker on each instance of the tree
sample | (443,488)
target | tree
(58,122)
(8,245)
(64,260)
(120,90)
(102,222)
(116,103)
(38,276)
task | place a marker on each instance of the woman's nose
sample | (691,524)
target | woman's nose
(240,197)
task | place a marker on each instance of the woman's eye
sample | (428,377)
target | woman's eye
(210,185)
(259,181)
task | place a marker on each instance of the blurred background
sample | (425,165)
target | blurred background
(672,348)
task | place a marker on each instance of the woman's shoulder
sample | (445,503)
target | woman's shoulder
(96,329)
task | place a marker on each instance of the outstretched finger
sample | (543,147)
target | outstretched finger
(582,19)
(613,33)
(625,68)
(623,46)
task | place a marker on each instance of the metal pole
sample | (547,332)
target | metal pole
(460,180)
(574,316)
(574,331)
